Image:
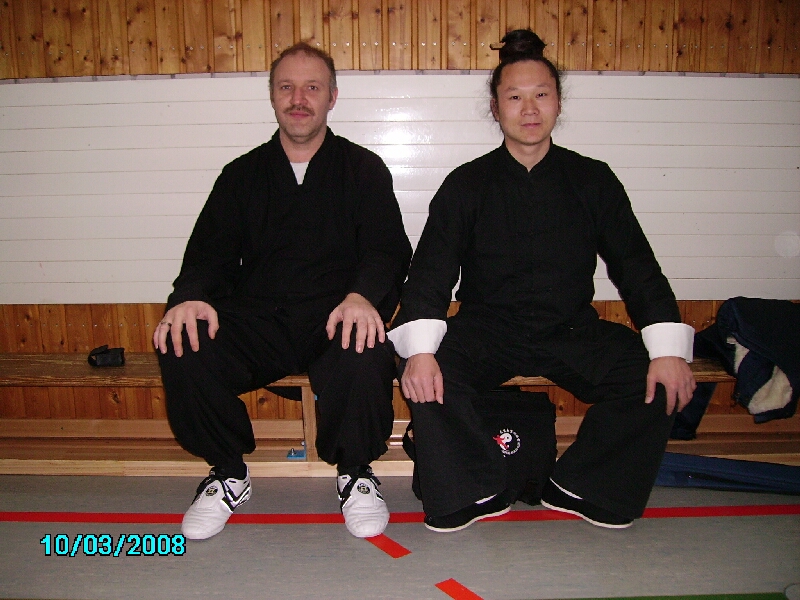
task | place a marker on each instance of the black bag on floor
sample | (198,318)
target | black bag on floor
(523,425)
(686,470)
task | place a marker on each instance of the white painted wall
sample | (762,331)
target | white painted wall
(101,181)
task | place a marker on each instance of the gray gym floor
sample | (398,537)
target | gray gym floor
(658,556)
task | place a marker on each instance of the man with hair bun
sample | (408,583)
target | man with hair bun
(294,265)
(523,226)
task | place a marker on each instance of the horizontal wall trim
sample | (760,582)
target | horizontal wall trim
(390,72)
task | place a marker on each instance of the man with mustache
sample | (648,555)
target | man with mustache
(294,265)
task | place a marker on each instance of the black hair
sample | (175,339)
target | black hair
(519,45)
(304,48)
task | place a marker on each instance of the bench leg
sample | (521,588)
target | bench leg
(310,423)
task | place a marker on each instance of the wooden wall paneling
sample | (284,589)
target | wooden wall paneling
(37,402)
(29,39)
(600,307)
(658,34)
(291,409)
(62,402)
(112,403)
(399,34)
(459,29)
(272,406)
(310,19)
(545,21)
(516,15)
(575,29)
(743,41)
(771,35)
(113,36)
(80,335)
(27,333)
(400,405)
(7,328)
(57,38)
(429,28)
(281,26)
(717,22)
(137,403)
(697,313)
(339,20)
(53,327)
(385,41)
(87,403)
(722,401)
(791,54)
(338,24)
(254,36)
(487,32)
(267,404)
(132,333)
(12,403)
(631,35)
(168,18)
(564,402)
(8,53)
(688,30)
(615,312)
(105,327)
(251,402)
(370,34)
(83,28)
(604,34)
(158,405)
(197,57)
(225,38)
(142,41)
(151,313)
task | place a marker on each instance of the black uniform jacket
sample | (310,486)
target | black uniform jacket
(265,243)
(525,245)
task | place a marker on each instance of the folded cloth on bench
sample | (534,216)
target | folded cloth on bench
(758,341)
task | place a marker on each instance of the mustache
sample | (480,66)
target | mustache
(299,108)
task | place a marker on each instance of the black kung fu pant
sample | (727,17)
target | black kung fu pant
(250,351)
(615,458)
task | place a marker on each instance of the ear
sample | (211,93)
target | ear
(493,107)
(334,96)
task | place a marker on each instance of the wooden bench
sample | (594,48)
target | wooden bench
(141,370)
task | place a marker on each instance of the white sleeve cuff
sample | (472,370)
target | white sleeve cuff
(669,339)
(418,337)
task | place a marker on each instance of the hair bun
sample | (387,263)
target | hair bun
(521,43)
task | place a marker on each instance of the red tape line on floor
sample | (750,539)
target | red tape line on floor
(457,591)
(759,510)
(389,546)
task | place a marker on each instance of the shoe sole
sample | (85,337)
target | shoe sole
(467,524)
(584,517)
(201,536)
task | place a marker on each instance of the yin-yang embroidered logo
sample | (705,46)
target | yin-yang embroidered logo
(508,440)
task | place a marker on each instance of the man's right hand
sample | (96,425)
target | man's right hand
(186,315)
(422,379)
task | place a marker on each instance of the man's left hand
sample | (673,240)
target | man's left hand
(675,375)
(356,310)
